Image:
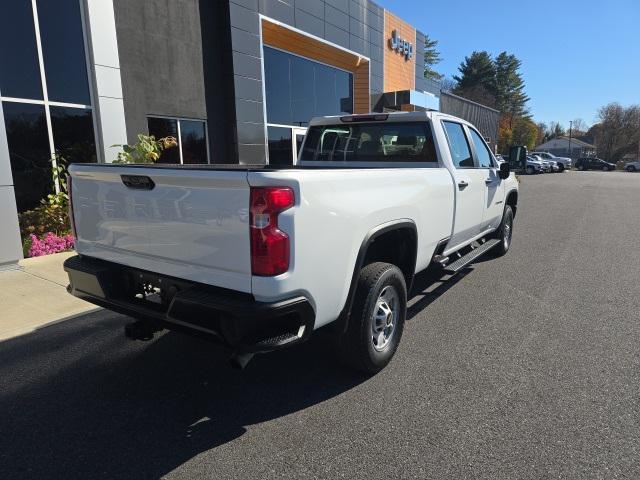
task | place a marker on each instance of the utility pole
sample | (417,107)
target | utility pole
(570,127)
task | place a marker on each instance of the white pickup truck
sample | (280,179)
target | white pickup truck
(259,257)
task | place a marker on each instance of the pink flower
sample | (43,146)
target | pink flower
(50,243)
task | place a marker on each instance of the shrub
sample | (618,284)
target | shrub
(146,150)
(52,215)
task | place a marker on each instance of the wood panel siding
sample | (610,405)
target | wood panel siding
(278,36)
(361,96)
(399,73)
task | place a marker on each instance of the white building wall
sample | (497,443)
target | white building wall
(104,66)
(10,244)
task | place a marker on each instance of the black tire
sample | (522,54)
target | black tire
(358,345)
(560,167)
(582,168)
(631,168)
(504,233)
(530,170)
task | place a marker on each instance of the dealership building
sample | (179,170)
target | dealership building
(234,81)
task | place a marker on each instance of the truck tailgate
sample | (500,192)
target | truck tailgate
(186,223)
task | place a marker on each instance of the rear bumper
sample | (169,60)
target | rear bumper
(233,319)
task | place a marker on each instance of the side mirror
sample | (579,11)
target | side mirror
(505,170)
(518,157)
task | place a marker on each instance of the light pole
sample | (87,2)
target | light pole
(570,127)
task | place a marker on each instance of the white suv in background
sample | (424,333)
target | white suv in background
(564,163)
(632,167)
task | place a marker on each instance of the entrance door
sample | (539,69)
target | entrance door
(297,139)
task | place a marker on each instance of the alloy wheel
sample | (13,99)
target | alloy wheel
(507,231)
(385,317)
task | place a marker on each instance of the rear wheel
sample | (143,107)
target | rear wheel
(582,168)
(377,319)
(505,232)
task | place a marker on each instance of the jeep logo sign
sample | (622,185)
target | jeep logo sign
(401,46)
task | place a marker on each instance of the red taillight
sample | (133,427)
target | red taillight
(269,244)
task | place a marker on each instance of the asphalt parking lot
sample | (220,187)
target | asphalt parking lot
(526,366)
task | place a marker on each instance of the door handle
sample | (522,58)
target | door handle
(463,184)
(489,181)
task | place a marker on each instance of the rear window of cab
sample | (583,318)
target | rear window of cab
(370,142)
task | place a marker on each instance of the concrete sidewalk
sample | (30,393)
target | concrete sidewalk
(33,294)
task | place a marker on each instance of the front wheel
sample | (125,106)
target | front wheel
(560,168)
(530,170)
(377,319)
(505,232)
(631,168)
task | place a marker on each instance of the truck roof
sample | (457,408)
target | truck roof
(382,117)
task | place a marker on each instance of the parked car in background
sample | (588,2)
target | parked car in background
(632,166)
(564,163)
(546,166)
(533,166)
(594,163)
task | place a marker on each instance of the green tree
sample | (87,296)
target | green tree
(556,130)
(509,86)
(477,78)
(431,58)
(525,132)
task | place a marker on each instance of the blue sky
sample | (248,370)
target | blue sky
(576,55)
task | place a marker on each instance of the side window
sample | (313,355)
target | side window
(458,145)
(484,155)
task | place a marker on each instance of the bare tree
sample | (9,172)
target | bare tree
(447,84)
(579,127)
(618,132)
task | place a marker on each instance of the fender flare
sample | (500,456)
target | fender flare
(513,191)
(343,318)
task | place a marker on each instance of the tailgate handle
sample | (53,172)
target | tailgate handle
(138,182)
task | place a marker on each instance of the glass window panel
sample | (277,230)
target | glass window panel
(165,127)
(194,142)
(73,134)
(458,145)
(298,89)
(280,148)
(19,69)
(28,152)
(484,156)
(374,142)
(63,51)
(299,140)
(344,91)
(277,74)
(303,90)
(325,91)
